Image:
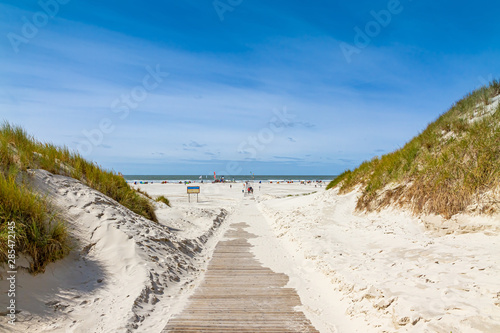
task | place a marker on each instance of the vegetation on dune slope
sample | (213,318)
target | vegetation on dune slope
(163,199)
(452,164)
(40,233)
(35,230)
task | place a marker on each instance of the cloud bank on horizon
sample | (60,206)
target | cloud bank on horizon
(233,86)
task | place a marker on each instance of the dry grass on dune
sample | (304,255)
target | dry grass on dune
(163,199)
(452,164)
(40,233)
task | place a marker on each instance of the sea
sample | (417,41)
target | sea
(237,179)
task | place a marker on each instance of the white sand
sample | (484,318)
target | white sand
(385,269)
(354,273)
(124,272)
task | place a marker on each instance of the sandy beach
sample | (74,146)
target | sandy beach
(377,272)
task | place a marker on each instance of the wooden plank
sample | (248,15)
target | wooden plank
(238,294)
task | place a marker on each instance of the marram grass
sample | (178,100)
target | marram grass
(41,233)
(163,199)
(443,170)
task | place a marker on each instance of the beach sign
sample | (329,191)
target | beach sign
(193,190)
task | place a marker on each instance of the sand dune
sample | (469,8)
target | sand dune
(122,271)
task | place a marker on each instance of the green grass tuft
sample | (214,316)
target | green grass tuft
(39,232)
(163,199)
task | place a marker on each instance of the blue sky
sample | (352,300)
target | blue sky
(231,86)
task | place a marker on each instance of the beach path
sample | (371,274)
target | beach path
(238,294)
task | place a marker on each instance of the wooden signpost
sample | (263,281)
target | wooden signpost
(193,190)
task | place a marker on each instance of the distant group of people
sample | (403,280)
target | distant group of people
(141,182)
(246,186)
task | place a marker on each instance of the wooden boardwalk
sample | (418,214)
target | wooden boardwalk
(239,295)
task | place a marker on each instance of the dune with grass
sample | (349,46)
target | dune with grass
(92,253)
(409,241)
(452,167)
